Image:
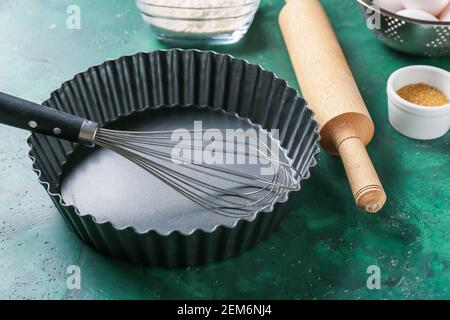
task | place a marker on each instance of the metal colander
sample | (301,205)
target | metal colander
(408,35)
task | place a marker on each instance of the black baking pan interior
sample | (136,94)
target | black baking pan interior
(112,188)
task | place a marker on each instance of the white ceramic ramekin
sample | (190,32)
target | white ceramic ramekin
(414,121)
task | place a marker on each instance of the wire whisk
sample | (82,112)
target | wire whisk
(236,188)
(220,188)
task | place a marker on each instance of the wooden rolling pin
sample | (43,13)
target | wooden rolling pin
(328,85)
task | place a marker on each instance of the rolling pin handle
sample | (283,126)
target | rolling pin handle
(364,182)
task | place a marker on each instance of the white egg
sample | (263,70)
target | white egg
(417,14)
(435,7)
(445,16)
(389,5)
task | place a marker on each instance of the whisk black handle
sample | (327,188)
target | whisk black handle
(34,117)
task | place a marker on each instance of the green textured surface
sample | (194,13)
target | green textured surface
(323,248)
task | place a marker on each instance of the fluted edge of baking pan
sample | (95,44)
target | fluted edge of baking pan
(177,77)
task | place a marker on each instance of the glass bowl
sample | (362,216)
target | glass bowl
(195,22)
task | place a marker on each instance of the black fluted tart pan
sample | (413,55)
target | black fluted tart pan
(122,212)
